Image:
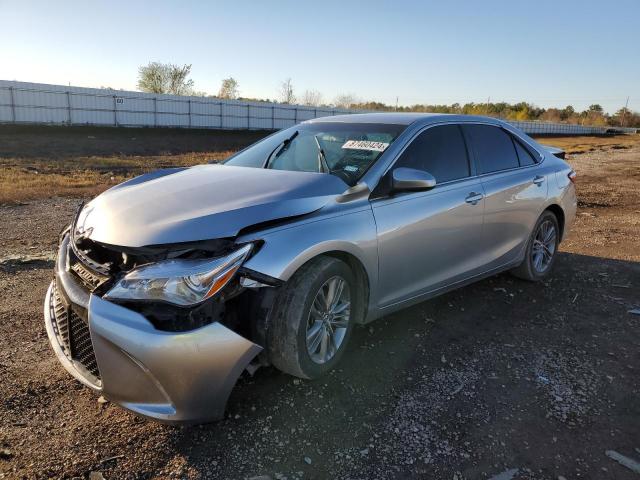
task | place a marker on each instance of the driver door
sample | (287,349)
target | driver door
(430,239)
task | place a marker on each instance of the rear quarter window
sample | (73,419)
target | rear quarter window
(524,155)
(493,148)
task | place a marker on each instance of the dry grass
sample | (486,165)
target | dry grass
(19,185)
(39,162)
(117,162)
(22,181)
(576,145)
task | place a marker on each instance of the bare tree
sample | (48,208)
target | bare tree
(312,98)
(286,92)
(229,89)
(159,77)
(344,100)
(179,84)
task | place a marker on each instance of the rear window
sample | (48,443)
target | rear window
(493,148)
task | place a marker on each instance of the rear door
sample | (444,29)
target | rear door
(515,192)
(431,238)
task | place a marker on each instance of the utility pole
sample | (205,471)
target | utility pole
(624,113)
(488,103)
(396,103)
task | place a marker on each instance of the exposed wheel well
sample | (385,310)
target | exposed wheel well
(361,276)
(559,213)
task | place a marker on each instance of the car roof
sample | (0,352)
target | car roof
(401,118)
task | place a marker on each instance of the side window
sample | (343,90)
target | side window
(441,151)
(493,148)
(523,154)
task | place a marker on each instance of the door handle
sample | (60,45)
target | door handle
(473,198)
(538,180)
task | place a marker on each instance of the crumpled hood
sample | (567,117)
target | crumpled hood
(201,203)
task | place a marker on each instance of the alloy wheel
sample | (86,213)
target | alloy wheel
(544,246)
(328,319)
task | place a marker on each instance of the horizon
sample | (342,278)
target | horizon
(347,53)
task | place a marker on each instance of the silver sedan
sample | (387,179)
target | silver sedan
(168,286)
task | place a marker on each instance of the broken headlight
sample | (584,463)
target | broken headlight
(180,281)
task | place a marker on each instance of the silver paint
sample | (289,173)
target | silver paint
(407,179)
(173,377)
(410,245)
(170,377)
(420,268)
(203,202)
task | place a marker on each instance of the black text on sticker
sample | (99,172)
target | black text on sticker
(365,145)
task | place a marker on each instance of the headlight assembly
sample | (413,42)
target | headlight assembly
(181,282)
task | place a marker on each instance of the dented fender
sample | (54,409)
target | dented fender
(285,249)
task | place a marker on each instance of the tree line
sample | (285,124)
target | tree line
(173,79)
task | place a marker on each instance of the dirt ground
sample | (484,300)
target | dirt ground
(503,379)
(38,161)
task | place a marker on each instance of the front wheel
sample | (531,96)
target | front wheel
(313,318)
(541,249)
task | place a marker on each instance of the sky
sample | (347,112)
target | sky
(550,53)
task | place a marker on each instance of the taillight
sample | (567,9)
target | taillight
(572,176)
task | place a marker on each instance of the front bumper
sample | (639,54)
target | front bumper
(166,376)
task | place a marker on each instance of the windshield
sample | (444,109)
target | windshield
(342,149)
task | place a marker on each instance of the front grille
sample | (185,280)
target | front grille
(81,346)
(91,274)
(89,279)
(82,255)
(72,332)
(60,319)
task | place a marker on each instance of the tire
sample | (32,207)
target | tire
(293,318)
(530,268)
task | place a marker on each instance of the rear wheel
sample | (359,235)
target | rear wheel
(541,249)
(314,318)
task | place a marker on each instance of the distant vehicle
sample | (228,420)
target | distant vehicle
(169,285)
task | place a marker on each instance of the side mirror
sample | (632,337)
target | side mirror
(411,180)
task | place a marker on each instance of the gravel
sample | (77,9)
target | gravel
(502,379)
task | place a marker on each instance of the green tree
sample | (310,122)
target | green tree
(625,118)
(567,112)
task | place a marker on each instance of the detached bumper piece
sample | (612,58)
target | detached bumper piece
(167,376)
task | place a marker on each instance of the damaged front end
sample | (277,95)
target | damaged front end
(163,331)
(152,303)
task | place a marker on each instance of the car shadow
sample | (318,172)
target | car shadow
(410,365)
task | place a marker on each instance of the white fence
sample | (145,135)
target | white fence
(24,102)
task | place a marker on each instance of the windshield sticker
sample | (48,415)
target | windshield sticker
(351,168)
(365,145)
